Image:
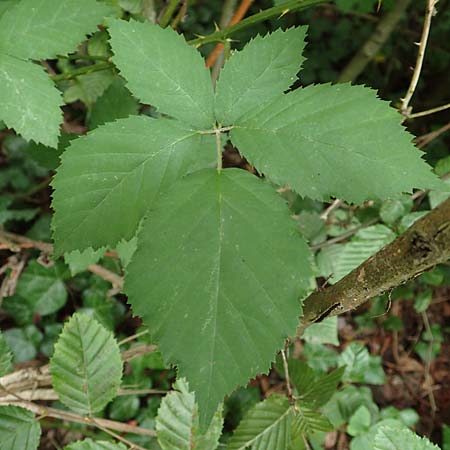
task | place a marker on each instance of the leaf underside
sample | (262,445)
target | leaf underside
(202,262)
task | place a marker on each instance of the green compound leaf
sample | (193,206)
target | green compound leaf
(163,71)
(259,73)
(86,367)
(41,29)
(336,140)
(201,282)
(18,429)
(29,100)
(5,357)
(401,438)
(89,444)
(265,427)
(109,178)
(177,426)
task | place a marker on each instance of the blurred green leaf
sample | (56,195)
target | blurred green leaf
(19,430)
(23,342)
(359,422)
(324,332)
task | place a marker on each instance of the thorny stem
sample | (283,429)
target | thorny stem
(405,109)
(218,36)
(279,10)
(168,13)
(82,71)
(429,111)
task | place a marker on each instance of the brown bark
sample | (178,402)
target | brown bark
(421,247)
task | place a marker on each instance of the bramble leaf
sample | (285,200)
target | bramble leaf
(30,103)
(177,422)
(265,427)
(19,430)
(41,29)
(112,175)
(259,73)
(86,366)
(201,282)
(337,141)
(163,71)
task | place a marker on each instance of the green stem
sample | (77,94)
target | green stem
(84,57)
(280,10)
(82,71)
(168,13)
(219,150)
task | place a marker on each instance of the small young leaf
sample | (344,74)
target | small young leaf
(201,262)
(401,438)
(308,421)
(163,71)
(29,100)
(319,391)
(177,425)
(360,366)
(89,87)
(110,177)
(80,261)
(324,332)
(360,421)
(89,444)
(44,29)
(86,367)
(5,357)
(325,136)
(265,427)
(18,429)
(259,73)
(115,103)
